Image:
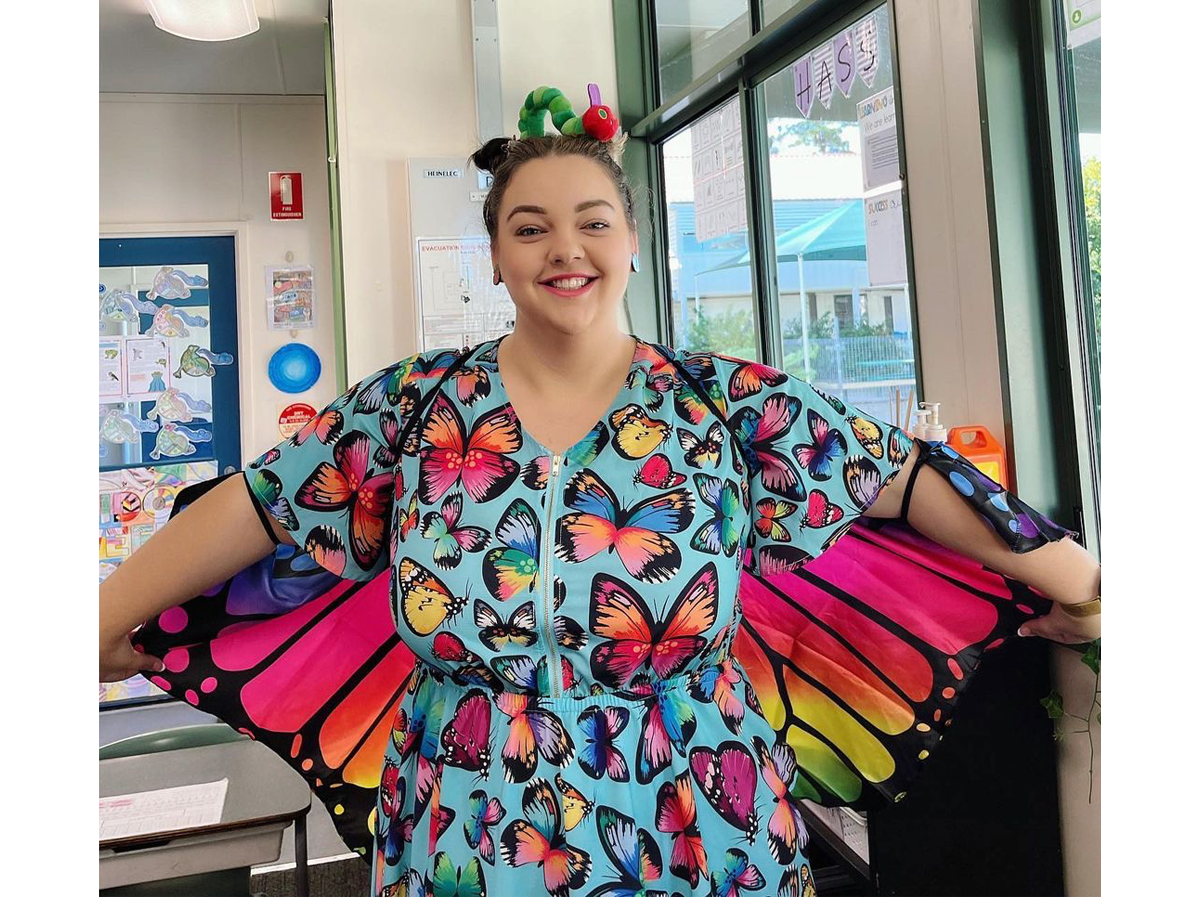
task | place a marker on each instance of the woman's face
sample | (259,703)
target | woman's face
(562,216)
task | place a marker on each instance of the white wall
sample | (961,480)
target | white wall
(405,84)
(198,164)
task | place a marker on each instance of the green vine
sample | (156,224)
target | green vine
(1053,703)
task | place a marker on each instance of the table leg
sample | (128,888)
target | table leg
(302,856)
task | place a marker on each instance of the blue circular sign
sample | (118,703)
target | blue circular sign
(294,368)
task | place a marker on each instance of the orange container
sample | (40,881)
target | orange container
(982,449)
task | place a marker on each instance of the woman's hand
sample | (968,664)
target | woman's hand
(1060,626)
(119,659)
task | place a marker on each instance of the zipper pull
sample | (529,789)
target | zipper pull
(554,465)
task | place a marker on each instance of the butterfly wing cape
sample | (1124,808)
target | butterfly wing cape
(858,658)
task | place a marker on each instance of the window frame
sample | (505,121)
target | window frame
(651,120)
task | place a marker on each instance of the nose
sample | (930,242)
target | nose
(565,248)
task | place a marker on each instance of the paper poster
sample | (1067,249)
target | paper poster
(719,185)
(823,75)
(802,81)
(147,365)
(136,502)
(844,66)
(880,148)
(457,302)
(1083,21)
(112,368)
(886,263)
(866,48)
(290,297)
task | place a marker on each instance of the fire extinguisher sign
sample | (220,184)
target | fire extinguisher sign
(287,195)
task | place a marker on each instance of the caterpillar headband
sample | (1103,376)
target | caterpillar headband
(597,122)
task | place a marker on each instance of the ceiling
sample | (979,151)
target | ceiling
(285,56)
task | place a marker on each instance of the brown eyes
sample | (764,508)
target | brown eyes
(522,231)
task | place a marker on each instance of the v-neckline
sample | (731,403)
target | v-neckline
(641,353)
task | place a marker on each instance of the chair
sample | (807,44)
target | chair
(187,737)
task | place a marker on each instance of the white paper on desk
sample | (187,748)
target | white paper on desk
(165,810)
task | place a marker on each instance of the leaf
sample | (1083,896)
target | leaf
(1091,657)
(1053,704)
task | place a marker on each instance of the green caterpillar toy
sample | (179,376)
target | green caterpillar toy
(598,121)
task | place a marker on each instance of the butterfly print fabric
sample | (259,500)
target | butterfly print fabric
(560,673)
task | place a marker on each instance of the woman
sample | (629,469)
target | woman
(564,513)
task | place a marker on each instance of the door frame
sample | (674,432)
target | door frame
(240,232)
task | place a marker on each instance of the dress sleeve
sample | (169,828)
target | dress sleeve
(331,486)
(816,464)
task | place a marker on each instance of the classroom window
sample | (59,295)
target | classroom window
(693,35)
(711,299)
(838,212)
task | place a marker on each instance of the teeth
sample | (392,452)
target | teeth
(570,283)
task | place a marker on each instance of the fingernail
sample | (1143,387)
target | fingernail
(1022,631)
(158,668)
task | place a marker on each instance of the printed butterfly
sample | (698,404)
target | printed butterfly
(531,731)
(575,807)
(727,777)
(599,756)
(717,684)
(720,533)
(479,460)
(656,472)
(827,445)
(350,484)
(451,881)
(749,377)
(675,815)
(484,813)
(737,875)
(638,534)
(637,434)
(704,452)
(513,569)
(466,739)
(786,832)
(760,433)
(668,724)
(539,839)
(426,602)
(634,855)
(496,634)
(472,384)
(450,539)
(637,640)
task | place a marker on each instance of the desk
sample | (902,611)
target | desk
(263,797)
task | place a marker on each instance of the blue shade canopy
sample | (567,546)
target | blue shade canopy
(838,235)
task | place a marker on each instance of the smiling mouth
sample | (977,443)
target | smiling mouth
(569,286)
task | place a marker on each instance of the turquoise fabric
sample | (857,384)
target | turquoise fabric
(577,722)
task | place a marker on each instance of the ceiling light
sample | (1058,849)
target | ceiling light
(209,20)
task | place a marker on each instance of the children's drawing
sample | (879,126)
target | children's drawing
(172,322)
(175,441)
(176,405)
(170,283)
(122,427)
(198,362)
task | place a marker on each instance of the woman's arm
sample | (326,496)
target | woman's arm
(215,537)
(1063,571)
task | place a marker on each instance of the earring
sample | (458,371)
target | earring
(634,264)
(496,281)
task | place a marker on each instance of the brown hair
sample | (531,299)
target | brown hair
(501,157)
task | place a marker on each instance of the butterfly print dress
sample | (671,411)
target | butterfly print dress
(537,663)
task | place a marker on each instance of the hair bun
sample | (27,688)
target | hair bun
(489,156)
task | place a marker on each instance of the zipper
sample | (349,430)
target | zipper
(553,668)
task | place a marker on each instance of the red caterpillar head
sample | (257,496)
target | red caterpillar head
(599,121)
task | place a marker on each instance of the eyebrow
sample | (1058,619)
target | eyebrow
(538,210)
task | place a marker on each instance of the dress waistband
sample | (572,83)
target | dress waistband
(620,698)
